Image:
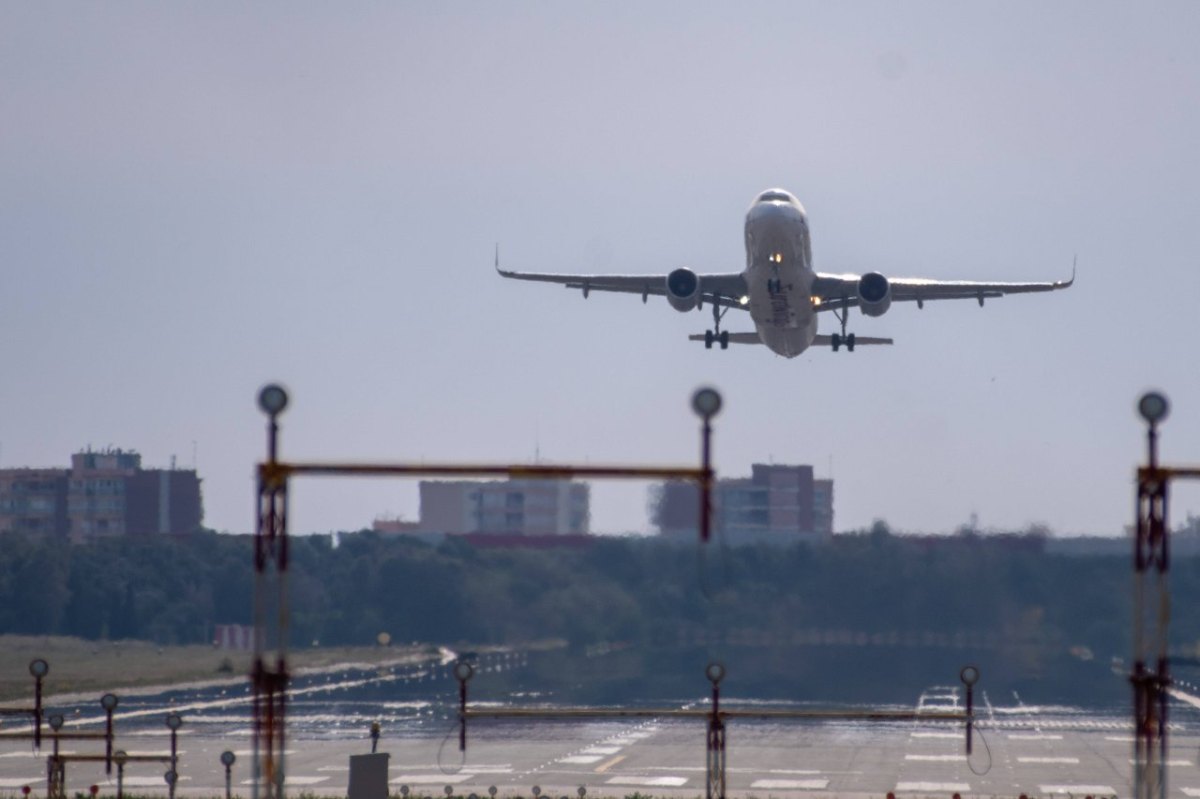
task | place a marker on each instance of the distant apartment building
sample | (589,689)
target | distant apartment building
(776,503)
(105,493)
(500,507)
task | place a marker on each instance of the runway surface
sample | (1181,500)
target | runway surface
(1019,748)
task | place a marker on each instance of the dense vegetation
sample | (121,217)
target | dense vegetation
(967,593)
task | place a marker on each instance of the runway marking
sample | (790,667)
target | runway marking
(606,765)
(733,770)
(1036,736)
(1171,762)
(624,740)
(495,768)
(334,768)
(580,760)
(783,785)
(1193,792)
(953,735)
(152,782)
(287,780)
(1083,789)
(1125,739)
(937,758)
(600,750)
(1067,760)
(428,779)
(18,782)
(934,787)
(649,782)
(39,756)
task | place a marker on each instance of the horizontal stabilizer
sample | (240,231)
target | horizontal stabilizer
(734,338)
(859,341)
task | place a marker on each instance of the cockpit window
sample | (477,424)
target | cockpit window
(778,196)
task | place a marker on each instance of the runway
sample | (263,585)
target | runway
(1019,748)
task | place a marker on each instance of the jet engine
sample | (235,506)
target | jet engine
(874,294)
(683,289)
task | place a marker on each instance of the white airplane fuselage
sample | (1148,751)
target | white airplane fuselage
(779,273)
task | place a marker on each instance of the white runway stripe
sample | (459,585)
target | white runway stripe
(18,782)
(1066,760)
(299,780)
(936,758)
(1079,789)
(1173,763)
(601,750)
(152,782)
(955,735)
(650,782)
(784,785)
(430,779)
(1033,736)
(580,759)
(934,787)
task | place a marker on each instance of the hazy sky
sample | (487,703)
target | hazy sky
(196,198)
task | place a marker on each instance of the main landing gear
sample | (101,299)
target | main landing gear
(716,334)
(838,340)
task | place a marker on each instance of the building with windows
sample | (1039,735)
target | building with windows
(777,503)
(105,493)
(504,507)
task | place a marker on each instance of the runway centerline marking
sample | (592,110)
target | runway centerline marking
(1034,736)
(1083,789)
(650,782)
(1074,761)
(428,779)
(287,780)
(937,758)
(934,787)
(606,765)
(783,785)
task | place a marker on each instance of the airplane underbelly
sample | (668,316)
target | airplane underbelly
(784,318)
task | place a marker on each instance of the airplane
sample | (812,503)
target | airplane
(780,288)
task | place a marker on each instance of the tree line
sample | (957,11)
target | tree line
(868,586)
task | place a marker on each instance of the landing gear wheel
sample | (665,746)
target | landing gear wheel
(850,343)
(836,341)
(724,339)
(708,339)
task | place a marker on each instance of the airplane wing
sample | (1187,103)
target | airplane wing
(841,291)
(722,289)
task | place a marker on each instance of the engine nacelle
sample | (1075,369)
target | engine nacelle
(683,289)
(874,294)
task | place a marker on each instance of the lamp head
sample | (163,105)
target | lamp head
(1153,407)
(706,402)
(272,399)
(969,675)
